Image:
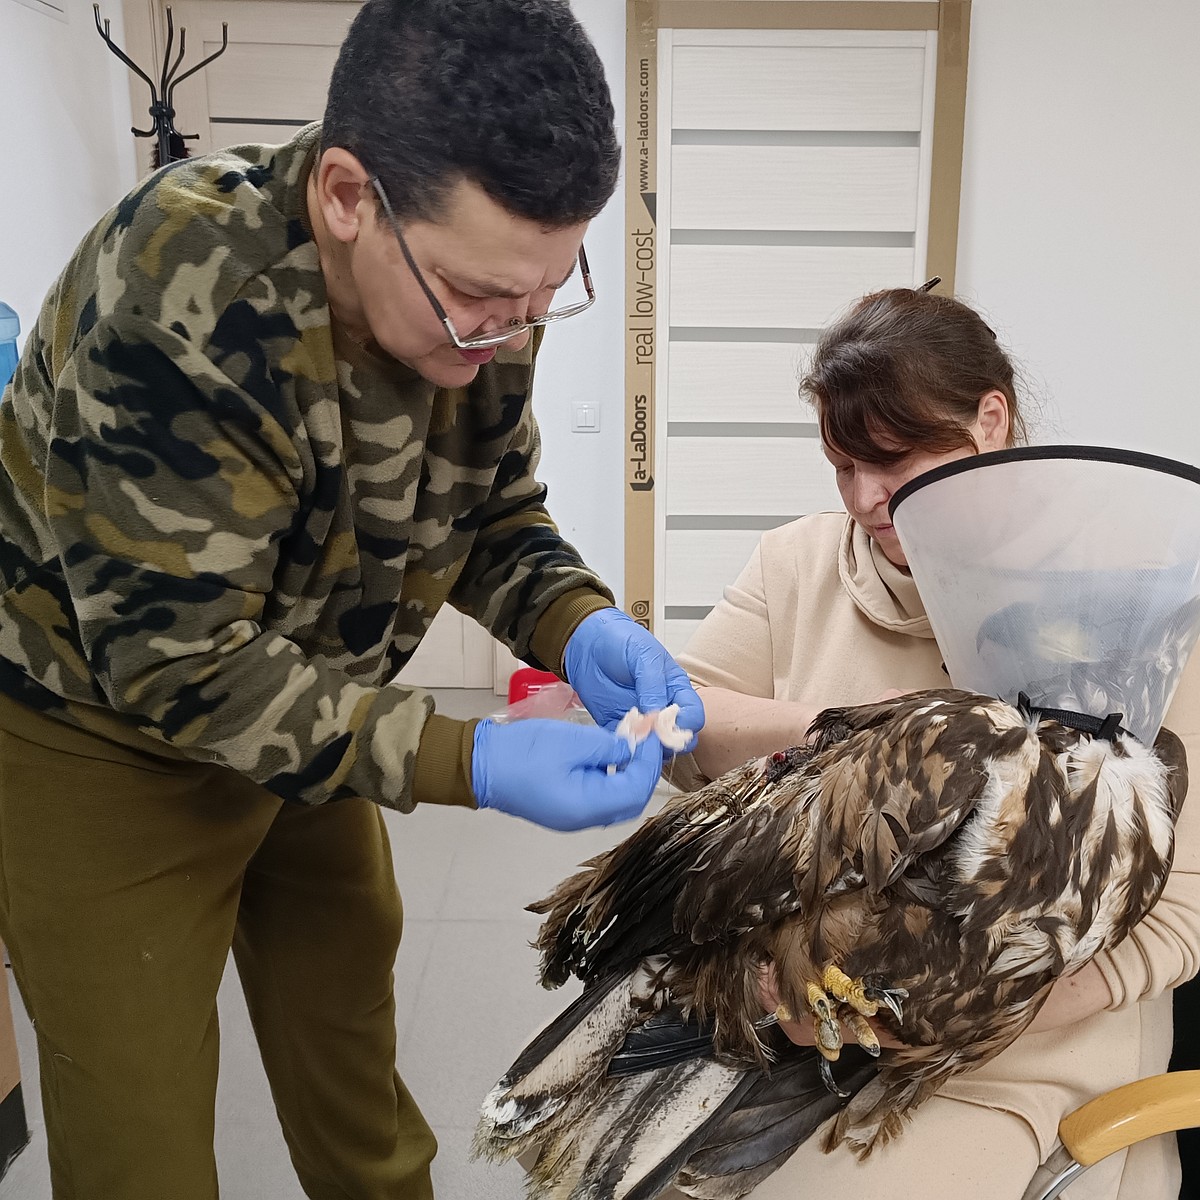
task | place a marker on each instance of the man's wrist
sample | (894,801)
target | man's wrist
(559,622)
(442,771)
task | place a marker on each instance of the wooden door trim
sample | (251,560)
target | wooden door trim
(885,15)
(949,126)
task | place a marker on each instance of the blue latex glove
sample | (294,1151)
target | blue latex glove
(556,774)
(615,665)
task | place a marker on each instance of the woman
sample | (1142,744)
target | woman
(826,613)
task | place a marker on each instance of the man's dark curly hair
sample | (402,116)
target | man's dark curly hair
(508,94)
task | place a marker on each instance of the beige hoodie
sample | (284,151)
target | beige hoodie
(820,616)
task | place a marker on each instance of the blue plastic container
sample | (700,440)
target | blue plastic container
(9,328)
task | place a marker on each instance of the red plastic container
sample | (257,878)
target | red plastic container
(527,680)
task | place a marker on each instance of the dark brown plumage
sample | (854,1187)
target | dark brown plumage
(944,845)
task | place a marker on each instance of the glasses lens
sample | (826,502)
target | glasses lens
(509,332)
(484,340)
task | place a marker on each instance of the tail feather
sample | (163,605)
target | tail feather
(637,1135)
(567,1058)
(569,1145)
(748,1141)
(661,1041)
(711,1129)
(619,1114)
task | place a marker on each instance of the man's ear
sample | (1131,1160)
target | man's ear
(342,185)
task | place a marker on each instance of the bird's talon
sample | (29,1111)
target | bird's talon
(818,1003)
(890,997)
(830,1083)
(864,1032)
(877,993)
(828,1037)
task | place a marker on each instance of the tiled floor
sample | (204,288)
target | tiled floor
(466,988)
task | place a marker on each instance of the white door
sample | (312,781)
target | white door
(793,176)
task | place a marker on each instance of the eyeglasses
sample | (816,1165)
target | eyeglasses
(516,326)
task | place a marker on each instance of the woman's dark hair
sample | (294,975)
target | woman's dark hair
(905,370)
(508,94)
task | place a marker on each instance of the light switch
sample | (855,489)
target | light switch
(585,417)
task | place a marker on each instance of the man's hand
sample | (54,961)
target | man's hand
(557,775)
(615,665)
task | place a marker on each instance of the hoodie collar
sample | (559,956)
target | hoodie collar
(882,592)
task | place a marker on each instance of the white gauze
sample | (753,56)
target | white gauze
(636,726)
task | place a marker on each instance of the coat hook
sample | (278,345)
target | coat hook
(170,144)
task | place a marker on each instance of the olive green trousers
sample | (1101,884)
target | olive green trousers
(125,878)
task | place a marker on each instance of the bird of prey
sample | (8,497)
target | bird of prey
(933,862)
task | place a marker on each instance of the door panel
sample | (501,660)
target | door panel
(861,188)
(789,87)
(792,176)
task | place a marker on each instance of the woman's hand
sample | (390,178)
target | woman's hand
(800,1032)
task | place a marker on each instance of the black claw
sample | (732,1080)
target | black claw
(830,1083)
(878,991)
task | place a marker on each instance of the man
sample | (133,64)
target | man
(274,414)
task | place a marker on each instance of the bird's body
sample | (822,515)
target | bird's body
(944,848)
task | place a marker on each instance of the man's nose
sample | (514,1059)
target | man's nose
(502,313)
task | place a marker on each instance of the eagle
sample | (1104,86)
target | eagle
(932,863)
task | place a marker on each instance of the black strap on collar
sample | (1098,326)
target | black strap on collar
(1098,727)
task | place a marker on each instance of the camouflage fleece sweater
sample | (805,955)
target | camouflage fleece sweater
(223,530)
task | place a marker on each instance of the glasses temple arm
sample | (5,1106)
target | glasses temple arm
(442,315)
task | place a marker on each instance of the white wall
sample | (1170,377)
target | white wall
(1080,230)
(583,359)
(65,151)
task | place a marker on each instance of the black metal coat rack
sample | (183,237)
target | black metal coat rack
(170,144)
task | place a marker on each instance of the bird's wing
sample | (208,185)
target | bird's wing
(864,793)
(745,876)
(620,907)
(884,784)
(897,788)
